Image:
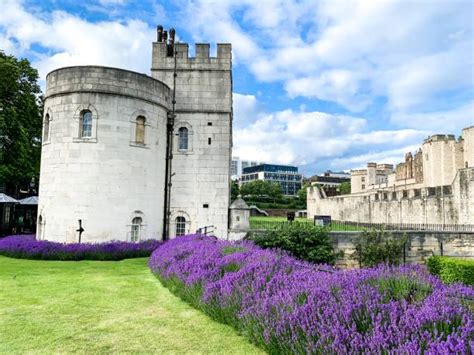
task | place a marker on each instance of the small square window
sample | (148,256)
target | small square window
(209,123)
(206,205)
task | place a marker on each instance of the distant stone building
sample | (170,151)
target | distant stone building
(363,179)
(106,135)
(435,185)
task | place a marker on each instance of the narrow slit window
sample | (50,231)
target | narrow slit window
(86,124)
(209,141)
(183,138)
(46,128)
(140,130)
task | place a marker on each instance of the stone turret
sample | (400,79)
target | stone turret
(239,219)
(201,182)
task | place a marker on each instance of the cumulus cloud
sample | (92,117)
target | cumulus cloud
(408,61)
(70,40)
(349,52)
(310,138)
(444,121)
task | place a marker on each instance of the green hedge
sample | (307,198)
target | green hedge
(451,269)
(302,240)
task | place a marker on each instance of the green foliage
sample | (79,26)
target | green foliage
(373,247)
(452,270)
(402,288)
(302,195)
(302,240)
(262,189)
(231,249)
(345,188)
(20,122)
(234,190)
(434,265)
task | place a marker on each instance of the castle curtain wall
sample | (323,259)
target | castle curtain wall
(448,207)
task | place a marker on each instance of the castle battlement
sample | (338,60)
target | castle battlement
(164,49)
(201,60)
(439,138)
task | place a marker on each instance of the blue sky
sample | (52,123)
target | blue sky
(319,84)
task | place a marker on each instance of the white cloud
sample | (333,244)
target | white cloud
(341,86)
(245,109)
(446,121)
(391,156)
(352,52)
(307,138)
(70,40)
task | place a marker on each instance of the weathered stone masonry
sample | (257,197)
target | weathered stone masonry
(107,178)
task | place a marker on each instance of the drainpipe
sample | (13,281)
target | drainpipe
(169,147)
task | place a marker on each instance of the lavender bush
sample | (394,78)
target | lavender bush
(289,306)
(28,248)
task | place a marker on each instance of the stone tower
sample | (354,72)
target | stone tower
(105,150)
(200,171)
(103,155)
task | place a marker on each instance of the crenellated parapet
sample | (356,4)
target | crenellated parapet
(203,83)
(201,60)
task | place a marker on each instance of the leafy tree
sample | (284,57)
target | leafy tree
(262,189)
(302,195)
(234,190)
(345,188)
(20,123)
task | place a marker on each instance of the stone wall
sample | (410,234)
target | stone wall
(419,247)
(453,204)
(201,183)
(105,180)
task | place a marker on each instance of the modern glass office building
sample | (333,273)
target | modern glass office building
(287,176)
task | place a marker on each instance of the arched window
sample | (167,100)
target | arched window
(86,124)
(180,226)
(140,130)
(183,138)
(135,234)
(46,128)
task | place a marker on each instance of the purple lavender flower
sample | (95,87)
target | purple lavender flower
(27,248)
(290,306)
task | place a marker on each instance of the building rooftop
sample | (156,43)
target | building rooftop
(270,168)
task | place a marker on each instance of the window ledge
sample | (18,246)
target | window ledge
(139,145)
(184,151)
(84,140)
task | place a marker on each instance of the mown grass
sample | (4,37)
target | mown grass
(263,222)
(97,307)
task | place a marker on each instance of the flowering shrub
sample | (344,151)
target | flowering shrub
(289,306)
(28,248)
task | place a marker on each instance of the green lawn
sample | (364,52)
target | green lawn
(263,222)
(97,307)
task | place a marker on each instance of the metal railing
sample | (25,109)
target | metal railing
(262,224)
(430,227)
(205,230)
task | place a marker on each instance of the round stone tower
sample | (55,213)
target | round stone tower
(103,155)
